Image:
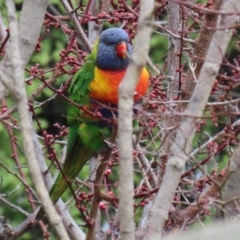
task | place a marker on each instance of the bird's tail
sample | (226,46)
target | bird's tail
(72,166)
(58,188)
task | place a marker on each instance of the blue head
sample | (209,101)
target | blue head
(113,50)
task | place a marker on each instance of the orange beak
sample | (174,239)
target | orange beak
(121,49)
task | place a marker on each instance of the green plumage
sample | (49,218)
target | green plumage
(85,137)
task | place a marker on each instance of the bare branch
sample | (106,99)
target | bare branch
(5,229)
(31,18)
(145,164)
(4,200)
(25,122)
(29,26)
(94,213)
(72,227)
(199,52)
(77,25)
(231,188)
(3,32)
(126,90)
(175,23)
(94,28)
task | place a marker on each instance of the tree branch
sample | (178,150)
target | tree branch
(174,62)
(126,90)
(231,188)
(77,24)
(72,227)
(28,36)
(25,122)
(94,212)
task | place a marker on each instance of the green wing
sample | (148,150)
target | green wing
(78,93)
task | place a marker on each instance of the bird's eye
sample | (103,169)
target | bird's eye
(108,43)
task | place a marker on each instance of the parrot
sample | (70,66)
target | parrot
(95,86)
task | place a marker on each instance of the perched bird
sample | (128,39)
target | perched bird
(94,86)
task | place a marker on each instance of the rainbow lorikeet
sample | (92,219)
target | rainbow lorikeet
(94,86)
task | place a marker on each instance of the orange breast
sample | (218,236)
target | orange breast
(104,87)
